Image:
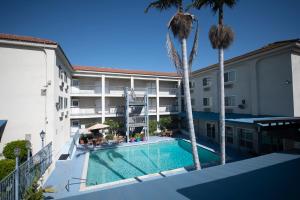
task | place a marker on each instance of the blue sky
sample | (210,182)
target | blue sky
(117,33)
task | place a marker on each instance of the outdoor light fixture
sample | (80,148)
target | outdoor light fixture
(42,134)
(287,82)
(28,145)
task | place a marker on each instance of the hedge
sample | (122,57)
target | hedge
(6,166)
(8,150)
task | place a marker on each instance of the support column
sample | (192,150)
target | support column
(103,98)
(157,100)
(179,96)
(131,82)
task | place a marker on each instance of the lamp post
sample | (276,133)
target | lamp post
(42,135)
(28,147)
(17,152)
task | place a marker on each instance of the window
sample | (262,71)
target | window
(206,82)
(229,76)
(60,102)
(246,138)
(75,82)
(192,84)
(206,102)
(66,103)
(60,72)
(229,134)
(211,130)
(230,101)
(66,77)
(75,123)
(75,103)
(193,102)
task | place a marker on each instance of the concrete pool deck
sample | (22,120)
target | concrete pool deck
(272,176)
(69,172)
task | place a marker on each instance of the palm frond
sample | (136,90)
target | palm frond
(221,36)
(181,24)
(174,56)
(194,48)
(215,5)
(164,4)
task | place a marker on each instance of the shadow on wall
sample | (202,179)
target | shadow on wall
(277,182)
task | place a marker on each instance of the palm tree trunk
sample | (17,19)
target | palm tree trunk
(187,98)
(222,107)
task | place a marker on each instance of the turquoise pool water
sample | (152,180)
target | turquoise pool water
(127,162)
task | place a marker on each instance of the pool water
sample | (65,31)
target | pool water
(127,162)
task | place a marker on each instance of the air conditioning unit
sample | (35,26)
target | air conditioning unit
(57,105)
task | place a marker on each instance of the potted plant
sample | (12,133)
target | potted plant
(138,137)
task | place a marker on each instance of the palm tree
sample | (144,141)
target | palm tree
(221,37)
(181,25)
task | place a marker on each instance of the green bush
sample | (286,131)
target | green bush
(6,166)
(8,150)
(165,123)
(152,127)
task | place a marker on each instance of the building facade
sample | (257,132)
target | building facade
(35,91)
(262,83)
(97,94)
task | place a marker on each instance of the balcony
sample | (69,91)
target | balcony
(115,110)
(168,91)
(115,91)
(82,112)
(143,90)
(88,90)
(168,108)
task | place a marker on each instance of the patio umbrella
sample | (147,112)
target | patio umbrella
(98,126)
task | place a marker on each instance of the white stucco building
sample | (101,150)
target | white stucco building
(261,83)
(41,91)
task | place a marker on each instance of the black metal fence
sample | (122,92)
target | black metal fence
(27,173)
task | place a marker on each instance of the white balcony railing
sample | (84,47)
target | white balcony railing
(142,90)
(168,108)
(168,91)
(86,89)
(117,90)
(86,110)
(114,110)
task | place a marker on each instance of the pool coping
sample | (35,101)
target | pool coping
(84,187)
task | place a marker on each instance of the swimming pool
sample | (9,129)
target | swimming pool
(116,164)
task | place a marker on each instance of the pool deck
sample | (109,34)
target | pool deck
(70,171)
(272,176)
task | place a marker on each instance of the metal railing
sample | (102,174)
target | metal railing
(86,89)
(143,90)
(86,110)
(168,91)
(115,90)
(27,173)
(168,108)
(115,110)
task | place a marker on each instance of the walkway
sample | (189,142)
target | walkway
(273,176)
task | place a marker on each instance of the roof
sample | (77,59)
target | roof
(123,71)
(12,37)
(2,123)
(265,48)
(2,126)
(272,176)
(229,117)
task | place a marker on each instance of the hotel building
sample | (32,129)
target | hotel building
(260,85)
(41,90)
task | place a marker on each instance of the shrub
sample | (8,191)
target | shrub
(152,127)
(6,166)
(8,150)
(165,123)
